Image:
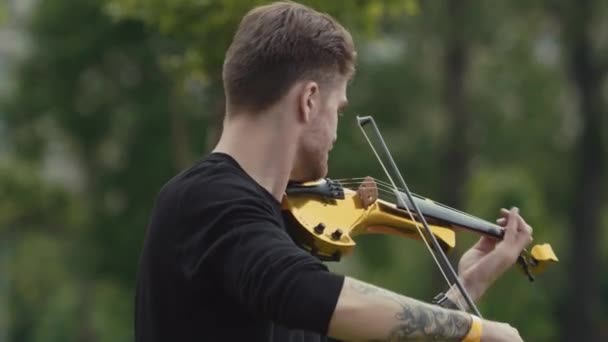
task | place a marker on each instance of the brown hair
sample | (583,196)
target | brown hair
(279,44)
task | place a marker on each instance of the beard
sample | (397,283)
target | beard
(310,165)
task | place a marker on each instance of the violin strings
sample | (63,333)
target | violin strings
(428,246)
(359,183)
(386,193)
(380,184)
(356,185)
(361,179)
(347,182)
(389,193)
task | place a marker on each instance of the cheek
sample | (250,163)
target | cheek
(333,123)
(329,130)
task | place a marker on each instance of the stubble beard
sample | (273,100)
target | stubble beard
(312,166)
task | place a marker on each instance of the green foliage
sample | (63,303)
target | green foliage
(197,33)
(20,184)
(92,89)
(200,25)
(3,14)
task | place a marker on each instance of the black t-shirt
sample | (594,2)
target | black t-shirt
(218,265)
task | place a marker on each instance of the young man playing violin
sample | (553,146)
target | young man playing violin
(218,264)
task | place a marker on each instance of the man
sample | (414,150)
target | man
(217,263)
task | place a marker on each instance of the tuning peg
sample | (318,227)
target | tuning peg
(319,228)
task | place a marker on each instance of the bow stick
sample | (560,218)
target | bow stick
(438,255)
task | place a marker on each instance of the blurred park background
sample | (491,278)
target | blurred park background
(485,104)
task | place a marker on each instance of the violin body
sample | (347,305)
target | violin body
(325,222)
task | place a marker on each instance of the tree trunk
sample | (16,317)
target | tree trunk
(456,156)
(580,313)
(455,152)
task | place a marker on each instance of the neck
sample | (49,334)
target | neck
(264,147)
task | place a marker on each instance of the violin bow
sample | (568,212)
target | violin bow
(438,254)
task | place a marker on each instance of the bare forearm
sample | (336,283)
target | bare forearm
(366,312)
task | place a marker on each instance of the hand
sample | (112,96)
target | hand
(517,234)
(498,332)
(489,258)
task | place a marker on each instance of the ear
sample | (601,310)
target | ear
(308,101)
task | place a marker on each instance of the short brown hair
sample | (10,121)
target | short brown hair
(279,44)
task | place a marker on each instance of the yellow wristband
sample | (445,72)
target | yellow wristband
(474,334)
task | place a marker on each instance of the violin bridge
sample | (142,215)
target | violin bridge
(367,192)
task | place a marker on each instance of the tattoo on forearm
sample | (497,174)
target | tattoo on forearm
(417,321)
(434,325)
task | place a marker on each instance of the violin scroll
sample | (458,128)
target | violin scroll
(536,261)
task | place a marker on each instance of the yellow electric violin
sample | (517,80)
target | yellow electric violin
(326,216)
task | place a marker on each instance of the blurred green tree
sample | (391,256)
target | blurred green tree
(198,34)
(92,98)
(586,66)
